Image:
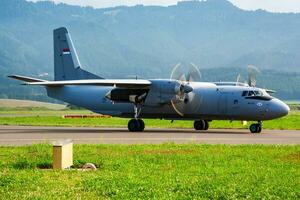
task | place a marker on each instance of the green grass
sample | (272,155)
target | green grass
(291,122)
(165,171)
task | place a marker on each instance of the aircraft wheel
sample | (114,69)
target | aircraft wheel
(135,125)
(206,125)
(199,125)
(141,125)
(255,128)
(259,128)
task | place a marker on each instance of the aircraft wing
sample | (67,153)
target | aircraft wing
(99,82)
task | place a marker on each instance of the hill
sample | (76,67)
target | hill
(150,40)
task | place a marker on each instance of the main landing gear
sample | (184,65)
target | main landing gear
(136,125)
(201,125)
(256,128)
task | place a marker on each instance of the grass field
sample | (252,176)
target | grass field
(53,118)
(165,171)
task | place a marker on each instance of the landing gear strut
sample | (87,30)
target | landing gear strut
(201,125)
(136,125)
(256,128)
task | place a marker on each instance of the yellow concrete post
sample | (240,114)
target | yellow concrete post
(62,154)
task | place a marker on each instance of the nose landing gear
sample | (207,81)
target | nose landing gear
(256,128)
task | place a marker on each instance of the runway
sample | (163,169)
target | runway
(26,135)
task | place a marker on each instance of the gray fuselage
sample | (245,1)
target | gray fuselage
(208,101)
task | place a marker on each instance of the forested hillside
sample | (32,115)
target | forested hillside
(149,40)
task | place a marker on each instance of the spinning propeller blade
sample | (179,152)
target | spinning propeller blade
(184,92)
(238,78)
(252,75)
(253,72)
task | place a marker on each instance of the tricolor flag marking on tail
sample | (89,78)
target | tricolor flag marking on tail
(66,51)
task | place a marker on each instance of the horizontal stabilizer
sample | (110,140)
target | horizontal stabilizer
(26,79)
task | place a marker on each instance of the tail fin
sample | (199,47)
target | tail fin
(66,62)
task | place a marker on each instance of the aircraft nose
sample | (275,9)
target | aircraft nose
(279,108)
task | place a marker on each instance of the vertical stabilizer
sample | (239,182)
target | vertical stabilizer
(66,63)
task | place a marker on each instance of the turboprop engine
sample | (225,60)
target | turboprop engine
(165,90)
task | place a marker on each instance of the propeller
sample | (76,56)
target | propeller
(238,79)
(252,75)
(185,75)
(253,72)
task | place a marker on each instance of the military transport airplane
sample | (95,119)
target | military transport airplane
(177,98)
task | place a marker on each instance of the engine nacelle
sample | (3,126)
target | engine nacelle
(160,92)
(163,91)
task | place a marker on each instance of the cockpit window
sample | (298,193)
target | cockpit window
(245,93)
(253,93)
(258,93)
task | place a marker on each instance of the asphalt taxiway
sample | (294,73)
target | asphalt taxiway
(25,135)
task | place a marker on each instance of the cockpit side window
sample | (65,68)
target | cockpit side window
(245,93)
(258,93)
(251,94)
(254,93)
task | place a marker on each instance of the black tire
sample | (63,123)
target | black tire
(141,125)
(133,125)
(206,125)
(255,128)
(259,128)
(199,125)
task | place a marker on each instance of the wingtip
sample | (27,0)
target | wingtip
(11,76)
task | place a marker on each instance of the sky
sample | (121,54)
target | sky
(269,5)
